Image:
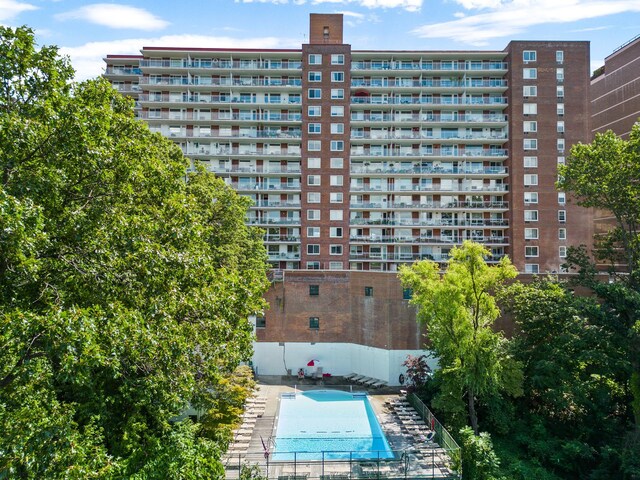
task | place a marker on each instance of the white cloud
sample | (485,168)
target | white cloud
(409,5)
(115,16)
(87,59)
(511,17)
(10,9)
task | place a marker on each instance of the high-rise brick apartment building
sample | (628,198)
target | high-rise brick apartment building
(615,106)
(359,161)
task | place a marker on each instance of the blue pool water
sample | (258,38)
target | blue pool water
(332,422)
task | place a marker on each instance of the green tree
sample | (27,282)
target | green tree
(459,311)
(479,461)
(604,175)
(125,284)
(573,415)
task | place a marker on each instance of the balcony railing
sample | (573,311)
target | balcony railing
(217,99)
(428,82)
(281,204)
(428,101)
(256,169)
(281,238)
(273,221)
(425,135)
(263,186)
(428,66)
(426,239)
(224,64)
(432,169)
(476,223)
(123,71)
(431,205)
(426,118)
(428,188)
(434,152)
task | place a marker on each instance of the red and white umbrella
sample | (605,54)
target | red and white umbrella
(312,363)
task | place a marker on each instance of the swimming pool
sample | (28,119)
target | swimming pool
(340,424)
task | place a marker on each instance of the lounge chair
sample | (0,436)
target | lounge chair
(379,384)
(370,382)
(364,380)
(357,378)
(351,376)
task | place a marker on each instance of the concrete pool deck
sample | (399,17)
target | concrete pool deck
(423,459)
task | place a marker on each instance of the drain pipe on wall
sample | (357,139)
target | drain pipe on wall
(284,359)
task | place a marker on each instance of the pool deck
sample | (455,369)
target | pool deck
(424,459)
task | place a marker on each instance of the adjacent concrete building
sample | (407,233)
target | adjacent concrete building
(359,161)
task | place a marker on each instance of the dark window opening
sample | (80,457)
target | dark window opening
(368,291)
(407,294)
(261,322)
(314,290)
(314,323)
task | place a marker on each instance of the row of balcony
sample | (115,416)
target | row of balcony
(466,66)
(404,222)
(428,239)
(223,64)
(426,117)
(429,135)
(435,169)
(465,100)
(428,83)
(243,187)
(411,257)
(462,205)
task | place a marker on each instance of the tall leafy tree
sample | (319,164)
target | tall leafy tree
(604,174)
(125,284)
(459,310)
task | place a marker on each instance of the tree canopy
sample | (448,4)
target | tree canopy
(459,311)
(125,283)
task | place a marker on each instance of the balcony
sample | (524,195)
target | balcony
(433,152)
(431,205)
(273,221)
(475,223)
(281,238)
(432,169)
(224,64)
(247,187)
(429,66)
(427,239)
(428,83)
(467,101)
(452,117)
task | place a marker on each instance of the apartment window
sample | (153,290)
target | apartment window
(531,268)
(530,197)
(562,216)
(336,266)
(314,145)
(529,73)
(530,251)
(560,109)
(337,93)
(407,293)
(315,93)
(337,162)
(313,232)
(562,234)
(560,91)
(368,291)
(313,265)
(531,215)
(530,179)
(530,144)
(560,126)
(336,215)
(335,249)
(261,322)
(337,76)
(313,162)
(531,162)
(315,59)
(336,180)
(314,290)
(529,55)
(313,214)
(561,160)
(337,111)
(314,110)
(335,197)
(530,91)
(562,251)
(560,143)
(335,232)
(337,145)
(531,234)
(315,128)
(314,323)
(337,59)
(560,74)
(530,127)
(559,56)
(315,76)
(313,180)
(530,108)
(313,249)
(313,197)
(337,128)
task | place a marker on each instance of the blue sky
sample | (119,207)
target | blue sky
(88,31)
